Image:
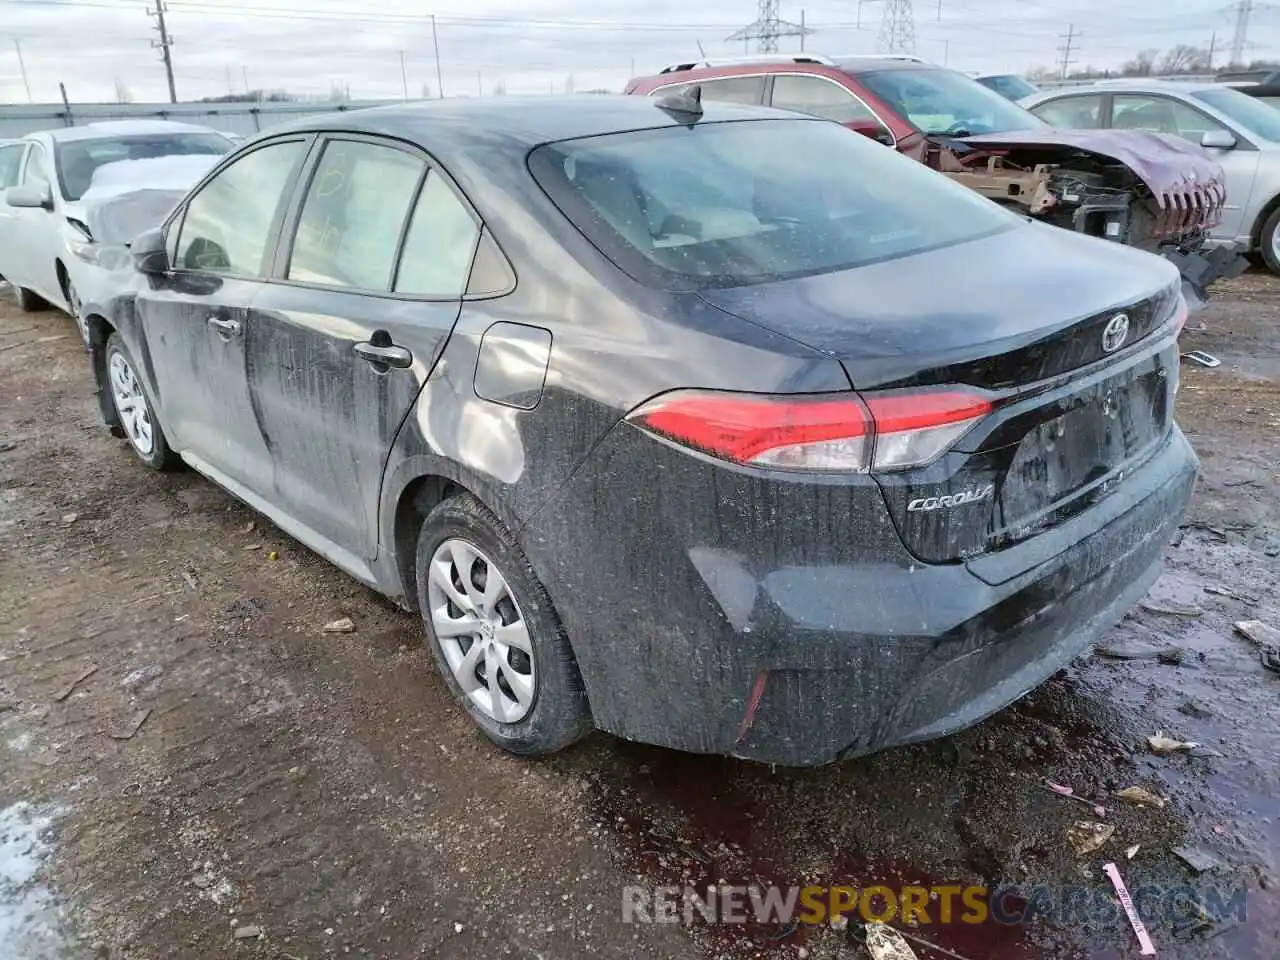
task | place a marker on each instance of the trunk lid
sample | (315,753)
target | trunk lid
(1071,417)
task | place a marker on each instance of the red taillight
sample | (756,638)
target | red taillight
(891,430)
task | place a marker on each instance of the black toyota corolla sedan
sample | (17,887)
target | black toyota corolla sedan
(710,426)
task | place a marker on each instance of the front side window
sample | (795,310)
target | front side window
(818,98)
(36,173)
(726,204)
(945,102)
(227,225)
(1072,113)
(10,164)
(441,243)
(78,160)
(354,215)
(1160,115)
(1257,117)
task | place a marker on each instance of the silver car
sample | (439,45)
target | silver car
(1240,132)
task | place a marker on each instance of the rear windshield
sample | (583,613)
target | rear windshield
(78,159)
(945,102)
(723,204)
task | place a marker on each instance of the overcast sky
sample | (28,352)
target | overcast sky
(539,45)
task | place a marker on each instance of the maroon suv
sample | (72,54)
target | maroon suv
(1148,190)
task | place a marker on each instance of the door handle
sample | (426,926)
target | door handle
(225,325)
(388,355)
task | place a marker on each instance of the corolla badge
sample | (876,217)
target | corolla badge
(1115,333)
(972,495)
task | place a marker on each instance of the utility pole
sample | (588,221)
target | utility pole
(404,76)
(244,75)
(164,43)
(802,30)
(1068,42)
(1213,47)
(1241,35)
(435,42)
(479,85)
(17,45)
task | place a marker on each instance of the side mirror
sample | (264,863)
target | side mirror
(30,197)
(873,129)
(149,253)
(1217,140)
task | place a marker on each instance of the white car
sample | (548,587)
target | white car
(54,179)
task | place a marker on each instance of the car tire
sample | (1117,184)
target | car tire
(517,635)
(134,409)
(29,301)
(1269,241)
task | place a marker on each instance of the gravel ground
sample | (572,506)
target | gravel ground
(189,767)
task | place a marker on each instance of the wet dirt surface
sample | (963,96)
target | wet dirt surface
(231,782)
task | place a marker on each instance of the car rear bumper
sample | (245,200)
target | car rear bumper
(717,612)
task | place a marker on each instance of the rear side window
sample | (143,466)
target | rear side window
(227,225)
(1072,113)
(818,98)
(721,204)
(441,243)
(723,89)
(354,215)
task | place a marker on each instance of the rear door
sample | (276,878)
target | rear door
(367,287)
(196,320)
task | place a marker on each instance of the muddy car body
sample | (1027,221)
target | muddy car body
(1152,192)
(740,500)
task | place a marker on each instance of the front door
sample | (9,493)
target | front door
(370,281)
(31,234)
(11,156)
(197,320)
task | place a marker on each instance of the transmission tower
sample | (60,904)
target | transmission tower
(897,28)
(1241,36)
(768,28)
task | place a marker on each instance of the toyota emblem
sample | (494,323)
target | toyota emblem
(1115,333)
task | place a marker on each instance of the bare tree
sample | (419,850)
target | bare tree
(568,84)
(1184,58)
(426,91)
(500,88)
(1140,66)
(123,93)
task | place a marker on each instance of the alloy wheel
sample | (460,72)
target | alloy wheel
(481,631)
(131,404)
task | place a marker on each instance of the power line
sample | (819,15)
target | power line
(164,43)
(22,65)
(1068,39)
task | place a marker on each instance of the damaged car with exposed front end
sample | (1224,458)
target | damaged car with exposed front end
(1154,192)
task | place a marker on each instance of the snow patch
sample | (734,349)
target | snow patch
(30,925)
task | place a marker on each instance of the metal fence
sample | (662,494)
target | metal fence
(244,119)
